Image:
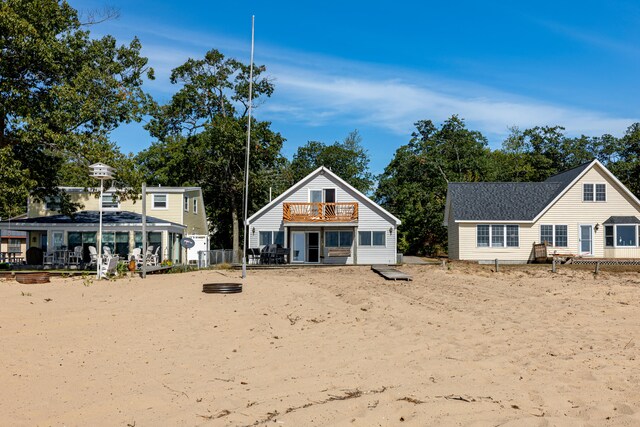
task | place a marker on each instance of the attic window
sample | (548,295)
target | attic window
(594,192)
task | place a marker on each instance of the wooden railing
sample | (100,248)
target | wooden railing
(320,212)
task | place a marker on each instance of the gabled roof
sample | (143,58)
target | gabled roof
(514,201)
(622,220)
(308,178)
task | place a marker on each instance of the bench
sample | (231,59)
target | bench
(339,252)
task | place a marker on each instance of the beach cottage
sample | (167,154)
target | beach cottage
(172,213)
(585,211)
(324,220)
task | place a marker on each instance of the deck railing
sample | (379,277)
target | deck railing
(320,212)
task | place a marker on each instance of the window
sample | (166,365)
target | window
(554,235)
(498,235)
(608,235)
(52,203)
(15,245)
(338,239)
(160,201)
(186,204)
(110,201)
(269,237)
(483,236)
(594,192)
(195,205)
(601,192)
(587,192)
(372,238)
(625,235)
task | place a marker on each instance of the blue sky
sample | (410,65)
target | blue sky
(380,66)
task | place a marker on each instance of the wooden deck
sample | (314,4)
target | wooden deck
(390,273)
(320,212)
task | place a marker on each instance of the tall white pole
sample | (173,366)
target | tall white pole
(99,238)
(144,230)
(246,166)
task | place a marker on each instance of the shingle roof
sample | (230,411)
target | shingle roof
(622,220)
(507,201)
(93,217)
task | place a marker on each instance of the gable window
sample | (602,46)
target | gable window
(160,201)
(338,239)
(372,238)
(622,235)
(186,204)
(110,201)
(554,235)
(498,235)
(594,192)
(195,205)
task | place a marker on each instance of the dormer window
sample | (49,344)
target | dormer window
(594,192)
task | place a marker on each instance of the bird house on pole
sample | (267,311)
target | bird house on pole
(101,171)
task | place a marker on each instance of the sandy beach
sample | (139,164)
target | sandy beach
(325,346)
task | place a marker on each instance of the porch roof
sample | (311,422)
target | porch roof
(622,220)
(90,220)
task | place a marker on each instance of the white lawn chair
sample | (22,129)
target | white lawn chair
(93,253)
(148,257)
(155,258)
(47,259)
(136,256)
(75,257)
(109,267)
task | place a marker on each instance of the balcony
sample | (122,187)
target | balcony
(320,212)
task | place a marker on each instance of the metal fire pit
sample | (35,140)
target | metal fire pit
(222,288)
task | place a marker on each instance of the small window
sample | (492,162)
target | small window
(265,238)
(546,234)
(513,238)
(379,238)
(497,236)
(346,239)
(195,205)
(561,239)
(625,235)
(587,192)
(331,239)
(186,204)
(365,238)
(338,239)
(278,237)
(608,235)
(110,201)
(601,192)
(160,201)
(52,203)
(483,236)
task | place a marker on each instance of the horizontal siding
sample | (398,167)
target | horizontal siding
(570,210)
(453,237)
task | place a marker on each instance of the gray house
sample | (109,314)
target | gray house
(585,211)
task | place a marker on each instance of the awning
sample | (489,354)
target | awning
(622,220)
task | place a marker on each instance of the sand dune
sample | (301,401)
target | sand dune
(326,346)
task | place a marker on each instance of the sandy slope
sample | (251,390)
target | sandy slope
(330,346)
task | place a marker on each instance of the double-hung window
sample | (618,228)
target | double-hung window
(195,205)
(110,201)
(52,203)
(594,192)
(554,235)
(160,201)
(498,235)
(186,204)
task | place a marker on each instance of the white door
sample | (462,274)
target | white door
(586,240)
(298,246)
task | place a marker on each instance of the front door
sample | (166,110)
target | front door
(586,240)
(313,247)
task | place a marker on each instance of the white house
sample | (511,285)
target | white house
(585,211)
(324,220)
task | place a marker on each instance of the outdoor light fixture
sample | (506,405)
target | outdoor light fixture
(100,171)
(597,226)
(390,230)
(253,230)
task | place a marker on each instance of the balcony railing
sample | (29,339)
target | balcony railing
(320,212)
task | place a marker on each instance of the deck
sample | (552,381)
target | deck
(320,212)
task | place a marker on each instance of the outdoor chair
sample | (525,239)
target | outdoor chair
(109,267)
(253,255)
(47,259)
(136,256)
(75,257)
(93,254)
(155,257)
(149,255)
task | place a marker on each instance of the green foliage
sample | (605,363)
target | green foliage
(414,185)
(348,159)
(202,134)
(62,92)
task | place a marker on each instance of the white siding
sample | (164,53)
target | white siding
(569,210)
(369,219)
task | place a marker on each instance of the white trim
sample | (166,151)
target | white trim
(110,209)
(153,202)
(371,245)
(580,225)
(615,236)
(504,237)
(308,178)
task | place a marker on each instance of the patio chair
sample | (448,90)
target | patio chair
(155,258)
(106,251)
(47,259)
(75,257)
(110,267)
(136,256)
(93,254)
(149,255)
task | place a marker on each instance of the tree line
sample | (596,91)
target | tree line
(63,92)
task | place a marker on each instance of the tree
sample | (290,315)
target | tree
(348,159)
(202,134)
(414,185)
(61,92)
(626,163)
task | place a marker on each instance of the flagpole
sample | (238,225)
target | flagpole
(246,166)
